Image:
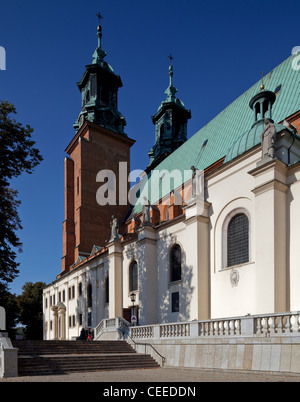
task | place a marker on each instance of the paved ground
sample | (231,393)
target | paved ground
(169,375)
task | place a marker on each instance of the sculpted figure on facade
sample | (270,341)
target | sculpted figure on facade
(196,183)
(114,224)
(146,212)
(268,140)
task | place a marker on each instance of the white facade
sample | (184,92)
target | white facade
(268,194)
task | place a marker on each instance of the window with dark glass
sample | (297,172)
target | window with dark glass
(175,302)
(133,276)
(238,240)
(89,319)
(175,263)
(107,290)
(89,295)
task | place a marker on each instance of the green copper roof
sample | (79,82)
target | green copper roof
(216,138)
(250,139)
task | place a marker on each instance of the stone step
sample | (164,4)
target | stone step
(58,357)
(55,347)
(55,365)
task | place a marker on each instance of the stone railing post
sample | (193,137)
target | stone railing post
(194,329)
(156,332)
(247,326)
(8,357)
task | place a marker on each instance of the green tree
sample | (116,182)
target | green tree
(9,302)
(17,155)
(30,304)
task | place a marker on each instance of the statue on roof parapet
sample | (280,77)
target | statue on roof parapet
(268,140)
(114,224)
(146,213)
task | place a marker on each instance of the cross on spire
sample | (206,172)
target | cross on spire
(99,29)
(100,17)
(171,58)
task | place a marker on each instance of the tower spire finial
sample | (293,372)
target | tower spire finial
(262,81)
(170,68)
(99,53)
(99,29)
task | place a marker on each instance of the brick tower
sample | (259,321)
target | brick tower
(99,143)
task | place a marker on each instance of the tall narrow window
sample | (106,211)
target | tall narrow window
(238,240)
(175,302)
(107,290)
(175,261)
(89,295)
(133,276)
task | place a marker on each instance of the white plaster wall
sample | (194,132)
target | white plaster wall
(131,252)
(187,286)
(230,193)
(293,235)
(93,272)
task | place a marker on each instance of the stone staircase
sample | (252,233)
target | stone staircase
(62,357)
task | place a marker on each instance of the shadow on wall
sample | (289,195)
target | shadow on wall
(174,298)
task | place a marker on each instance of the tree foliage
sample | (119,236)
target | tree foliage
(17,155)
(30,304)
(9,302)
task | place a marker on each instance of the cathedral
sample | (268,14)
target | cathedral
(211,229)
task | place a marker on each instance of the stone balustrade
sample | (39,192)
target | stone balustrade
(259,326)
(266,342)
(280,324)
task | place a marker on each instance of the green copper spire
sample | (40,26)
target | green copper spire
(99,92)
(170,123)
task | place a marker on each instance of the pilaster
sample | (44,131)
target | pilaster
(115,279)
(270,236)
(147,275)
(55,321)
(197,233)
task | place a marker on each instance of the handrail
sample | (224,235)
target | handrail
(124,327)
(163,359)
(127,325)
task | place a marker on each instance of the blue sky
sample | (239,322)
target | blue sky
(219,49)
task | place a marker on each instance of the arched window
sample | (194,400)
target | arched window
(133,276)
(175,263)
(238,240)
(89,295)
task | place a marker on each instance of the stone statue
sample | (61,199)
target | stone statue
(114,224)
(196,183)
(268,140)
(146,212)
